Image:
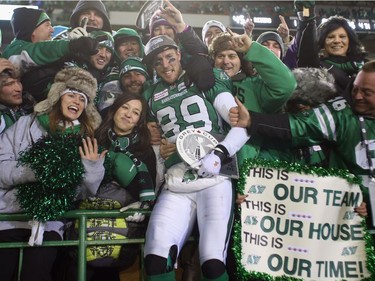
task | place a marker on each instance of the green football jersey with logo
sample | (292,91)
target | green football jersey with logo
(177,107)
(336,123)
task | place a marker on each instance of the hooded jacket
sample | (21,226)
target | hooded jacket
(84,5)
(128,32)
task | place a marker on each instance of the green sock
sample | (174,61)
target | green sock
(222,277)
(163,277)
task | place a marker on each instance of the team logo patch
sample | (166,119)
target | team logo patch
(160,95)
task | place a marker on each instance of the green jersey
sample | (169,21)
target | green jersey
(177,107)
(336,123)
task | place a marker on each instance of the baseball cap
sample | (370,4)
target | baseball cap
(156,45)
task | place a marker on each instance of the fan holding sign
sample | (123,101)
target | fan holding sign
(347,125)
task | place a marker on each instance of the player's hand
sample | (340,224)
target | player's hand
(283,29)
(210,165)
(239,116)
(167,148)
(171,14)
(154,129)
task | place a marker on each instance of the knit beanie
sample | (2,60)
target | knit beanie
(96,5)
(25,20)
(156,21)
(314,87)
(74,78)
(104,39)
(126,33)
(270,35)
(210,24)
(133,63)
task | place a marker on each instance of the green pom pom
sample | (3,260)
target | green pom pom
(57,165)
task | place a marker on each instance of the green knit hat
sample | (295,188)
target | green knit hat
(105,39)
(133,63)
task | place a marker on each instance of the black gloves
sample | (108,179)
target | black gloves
(84,46)
(200,71)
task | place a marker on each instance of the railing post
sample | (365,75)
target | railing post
(82,248)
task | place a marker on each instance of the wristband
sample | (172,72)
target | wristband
(221,152)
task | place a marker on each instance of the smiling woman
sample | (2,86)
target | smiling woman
(131,176)
(55,130)
(333,44)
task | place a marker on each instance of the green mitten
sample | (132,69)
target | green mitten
(124,169)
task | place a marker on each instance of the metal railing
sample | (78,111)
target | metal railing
(81,242)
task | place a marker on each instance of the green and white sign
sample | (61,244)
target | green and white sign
(297,224)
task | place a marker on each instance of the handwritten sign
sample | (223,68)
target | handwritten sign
(302,225)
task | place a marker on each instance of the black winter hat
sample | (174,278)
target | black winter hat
(84,5)
(25,20)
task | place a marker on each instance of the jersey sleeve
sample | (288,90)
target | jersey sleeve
(324,123)
(223,83)
(275,83)
(26,55)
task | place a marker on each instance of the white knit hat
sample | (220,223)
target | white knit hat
(212,23)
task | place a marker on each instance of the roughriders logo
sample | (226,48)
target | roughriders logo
(189,176)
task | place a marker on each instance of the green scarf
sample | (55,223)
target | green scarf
(348,66)
(124,160)
(44,121)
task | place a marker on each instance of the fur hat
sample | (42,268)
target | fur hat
(270,35)
(25,20)
(133,63)
(314,87)
(222,42)
(96,5)
(156,45)
(210,24)
(76,78)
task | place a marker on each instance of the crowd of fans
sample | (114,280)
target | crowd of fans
(254,8)
(90,117)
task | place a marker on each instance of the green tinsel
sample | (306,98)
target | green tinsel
(57,165)
(241,273)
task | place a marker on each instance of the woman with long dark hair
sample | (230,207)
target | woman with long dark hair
(333,45)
